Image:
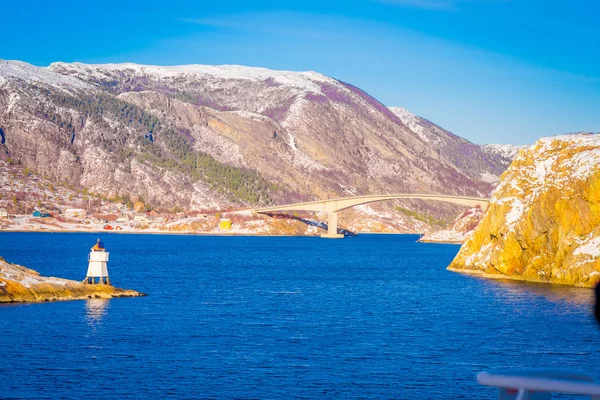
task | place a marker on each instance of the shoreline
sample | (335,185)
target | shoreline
(487,275)
(216,234)
(440,242)
(91,294)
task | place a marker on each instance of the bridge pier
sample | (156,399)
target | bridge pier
(332,232)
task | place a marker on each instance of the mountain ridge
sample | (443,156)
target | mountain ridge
(185,138)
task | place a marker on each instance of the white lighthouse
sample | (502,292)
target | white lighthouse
(97,267)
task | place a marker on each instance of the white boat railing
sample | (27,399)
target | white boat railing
(539,384)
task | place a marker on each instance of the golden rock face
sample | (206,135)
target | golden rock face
(543,222)
(20,284)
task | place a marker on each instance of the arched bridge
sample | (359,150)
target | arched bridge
(333,206)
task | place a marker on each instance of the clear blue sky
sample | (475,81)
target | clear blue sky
(492,71)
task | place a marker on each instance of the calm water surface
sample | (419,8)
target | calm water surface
(373,316)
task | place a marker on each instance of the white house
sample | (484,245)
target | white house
(158,221)
(141,219)
(3,213)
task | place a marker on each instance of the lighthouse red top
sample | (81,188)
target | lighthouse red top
(99,246)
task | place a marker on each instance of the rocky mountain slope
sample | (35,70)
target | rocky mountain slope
(506,151)
(461,228)
(543,222)
(217,136)
(22,191)
(20,284)
(482,162)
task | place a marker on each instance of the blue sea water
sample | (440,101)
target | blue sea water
(372,316)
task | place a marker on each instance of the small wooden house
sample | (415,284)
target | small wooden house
(225,224)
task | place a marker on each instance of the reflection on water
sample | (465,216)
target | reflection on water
(95,309)
(519,290)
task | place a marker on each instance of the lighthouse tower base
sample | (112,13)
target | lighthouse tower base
(102,280)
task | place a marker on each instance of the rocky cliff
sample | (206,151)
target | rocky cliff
(20,284)
(543,222)
(216,136)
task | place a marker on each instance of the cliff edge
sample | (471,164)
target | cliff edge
(543,221)
(20,284)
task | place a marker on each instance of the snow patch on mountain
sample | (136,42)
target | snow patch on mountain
(508,151)
(412,121)
(487,177)
(367,210)
(21,71)
(13,101)
(295,113)
(293,116)
(425,129)
(249,115)
(589,246)
(306,81)
(223,148)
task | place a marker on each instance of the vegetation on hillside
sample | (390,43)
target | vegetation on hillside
(428,219)
(157,143)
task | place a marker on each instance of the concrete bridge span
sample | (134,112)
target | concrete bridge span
(333,206)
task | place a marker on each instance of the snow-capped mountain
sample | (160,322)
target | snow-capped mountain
(205,136)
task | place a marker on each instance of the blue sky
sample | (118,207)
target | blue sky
(492,71)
